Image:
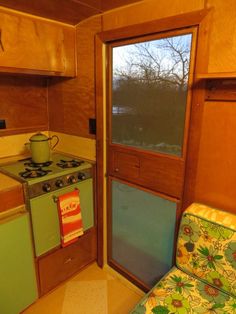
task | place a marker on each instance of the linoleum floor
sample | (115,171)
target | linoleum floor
(92,291)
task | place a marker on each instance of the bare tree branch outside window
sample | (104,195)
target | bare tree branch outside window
(150,82)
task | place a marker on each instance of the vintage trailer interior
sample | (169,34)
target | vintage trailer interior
(117,156)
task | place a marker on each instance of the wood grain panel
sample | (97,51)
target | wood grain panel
(11,198)
(195,129)
(63,263)
(147,11)
(222,50)
(216,171)
(158,172)
(72,102)
(126,165)
(23,104)
(34,45)
(163,174)
(108,4)
(67,11)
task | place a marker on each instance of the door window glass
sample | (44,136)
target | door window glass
(149,93)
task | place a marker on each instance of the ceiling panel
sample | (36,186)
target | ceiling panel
(108,4)
(67,11)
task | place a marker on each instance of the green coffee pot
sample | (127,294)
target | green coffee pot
(40,147)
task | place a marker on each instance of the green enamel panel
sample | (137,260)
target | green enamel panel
(143,229)
(18,288)
(46,227)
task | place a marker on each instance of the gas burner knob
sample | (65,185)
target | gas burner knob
(59,183)
(46,187)
(81,176)
(72,179)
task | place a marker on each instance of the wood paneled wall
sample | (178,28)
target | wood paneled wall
(148,11)
(213,155)
(23,104)
(222,48)
(216,171)
(72,102)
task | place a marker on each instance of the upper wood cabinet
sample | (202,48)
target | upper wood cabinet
(221,61)
(36,46)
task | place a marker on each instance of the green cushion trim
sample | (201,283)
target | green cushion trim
(213,222)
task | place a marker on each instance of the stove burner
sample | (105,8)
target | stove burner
(33,173)
(69,163)
(32,164)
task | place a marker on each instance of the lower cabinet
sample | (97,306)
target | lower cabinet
(59,265)
(18,286)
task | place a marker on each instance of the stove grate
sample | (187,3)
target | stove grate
(33,173)
(69,163)
(32,164)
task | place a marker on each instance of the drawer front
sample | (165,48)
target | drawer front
(61,264)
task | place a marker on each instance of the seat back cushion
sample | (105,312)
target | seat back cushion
(206,246)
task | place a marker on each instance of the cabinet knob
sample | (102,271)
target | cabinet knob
(116,169)
(68,260)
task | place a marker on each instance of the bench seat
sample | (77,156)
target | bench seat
(204,278)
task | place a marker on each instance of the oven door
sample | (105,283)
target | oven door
(44,215)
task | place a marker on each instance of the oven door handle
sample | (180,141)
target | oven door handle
(55,198)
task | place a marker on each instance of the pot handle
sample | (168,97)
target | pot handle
(57,140)
(27,145)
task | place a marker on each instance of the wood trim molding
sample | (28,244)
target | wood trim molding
(23,130)
(99,93)
(161,25)
(193,143)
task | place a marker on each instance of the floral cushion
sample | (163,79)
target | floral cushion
(206,246)
(180,293)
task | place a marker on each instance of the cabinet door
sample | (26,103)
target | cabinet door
(142,232)
(18,288)
(222,41)
(31,45)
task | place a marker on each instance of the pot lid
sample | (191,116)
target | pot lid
(38,137)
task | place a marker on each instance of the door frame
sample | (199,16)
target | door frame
(200,19)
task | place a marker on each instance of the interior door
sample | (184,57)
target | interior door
(148,116)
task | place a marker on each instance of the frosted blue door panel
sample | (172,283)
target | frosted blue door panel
(143,229)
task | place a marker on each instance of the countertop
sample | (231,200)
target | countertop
(11,193)
(8,183)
